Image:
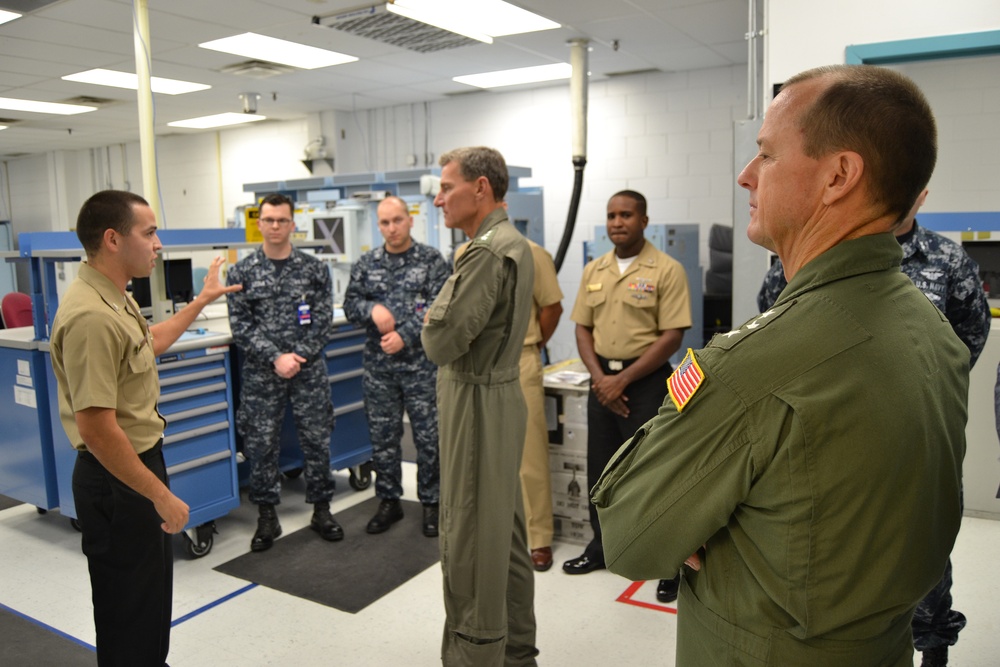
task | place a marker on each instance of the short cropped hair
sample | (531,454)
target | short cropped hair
(277,200)
(476,161)
(632,194)
(108,209)
(398,200)
(884,117)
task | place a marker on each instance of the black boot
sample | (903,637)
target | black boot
(431,520)
(324,523)
(388,513)
(268,529)
(935,657)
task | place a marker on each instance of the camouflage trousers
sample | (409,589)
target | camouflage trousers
(935,623)
(388,391)
(263,400)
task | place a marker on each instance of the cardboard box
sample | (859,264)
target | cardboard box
(575,410)
(572,530)
(570,507)
(568,462)
(574,438)
(569,495)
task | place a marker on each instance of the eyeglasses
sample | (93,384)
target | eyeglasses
(275,221)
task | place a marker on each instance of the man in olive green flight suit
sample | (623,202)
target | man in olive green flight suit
(807,466)
(475,331)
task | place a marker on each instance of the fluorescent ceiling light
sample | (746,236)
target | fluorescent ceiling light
(107,77)
(6,17)
(512,77)
(3,127)
(43,107)
(442,20)
(259,47)
(217,120)
(480,20)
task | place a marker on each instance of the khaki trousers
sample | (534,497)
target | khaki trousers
(536,481)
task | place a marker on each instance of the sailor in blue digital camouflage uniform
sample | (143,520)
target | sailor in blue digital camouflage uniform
(281,322)
(389,291)
(945,273)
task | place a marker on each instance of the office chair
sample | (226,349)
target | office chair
(16,310)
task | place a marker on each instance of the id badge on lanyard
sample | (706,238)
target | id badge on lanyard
(305,314)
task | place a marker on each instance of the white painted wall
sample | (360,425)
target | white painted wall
(965,96)
(963,92)
(667,135)
(801,35)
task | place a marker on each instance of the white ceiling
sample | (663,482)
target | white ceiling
(69,36)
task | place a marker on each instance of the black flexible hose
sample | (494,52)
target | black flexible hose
(579,162)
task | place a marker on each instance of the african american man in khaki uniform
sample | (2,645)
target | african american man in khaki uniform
(630,314)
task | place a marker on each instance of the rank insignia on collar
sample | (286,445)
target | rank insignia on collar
(731,338)
(685,381)
(486,238)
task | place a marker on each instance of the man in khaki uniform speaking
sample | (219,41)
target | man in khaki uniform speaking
(808,464)
(104,359)
(475,331)
(630,313)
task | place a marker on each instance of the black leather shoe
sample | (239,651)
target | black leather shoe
(324,523)
(431,520)
(582,565)
(268,529)
(666,590)
(388,513)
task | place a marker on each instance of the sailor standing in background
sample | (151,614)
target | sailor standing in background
(631,312)
(389,292)
(281,322)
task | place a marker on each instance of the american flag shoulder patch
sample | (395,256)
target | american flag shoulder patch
(685,380)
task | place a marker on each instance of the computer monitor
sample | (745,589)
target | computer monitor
(178,283)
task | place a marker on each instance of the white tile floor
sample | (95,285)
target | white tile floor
(580,620)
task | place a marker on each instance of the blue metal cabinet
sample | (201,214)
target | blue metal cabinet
(350,446)
(27,464)
(199,440)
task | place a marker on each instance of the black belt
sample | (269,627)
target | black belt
(612,366)
(145,456)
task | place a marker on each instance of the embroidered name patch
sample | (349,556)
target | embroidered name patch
(685,380)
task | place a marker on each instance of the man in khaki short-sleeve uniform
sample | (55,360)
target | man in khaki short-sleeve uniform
(104,360)
(630,314)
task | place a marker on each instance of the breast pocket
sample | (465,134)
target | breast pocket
(141,379)
(595,299)
(442,304)
(259,298)
(641,301)
(414,280)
